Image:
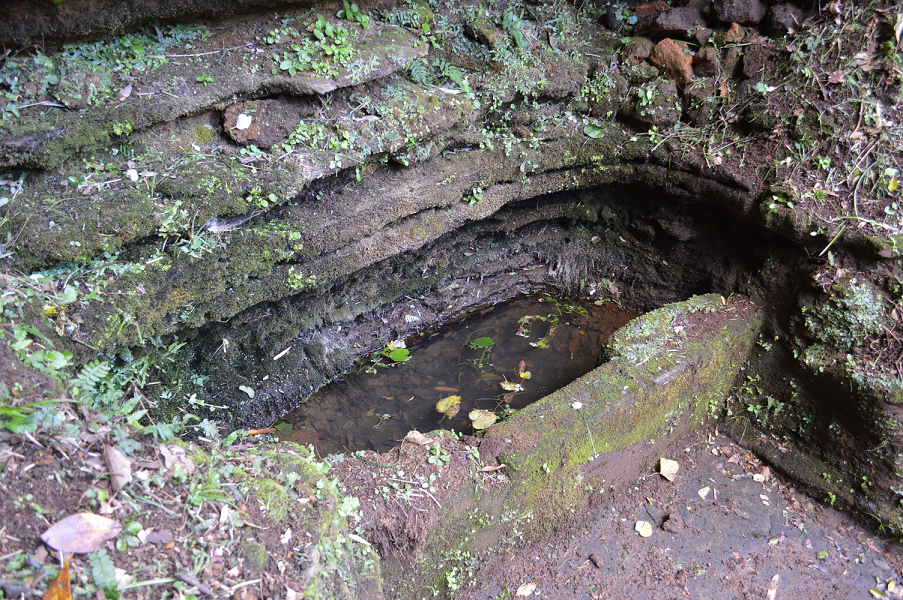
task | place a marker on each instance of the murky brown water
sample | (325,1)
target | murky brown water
(473,357)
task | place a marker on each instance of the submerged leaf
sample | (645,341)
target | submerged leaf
(81,533)
(447,404)
(483,342)
(509,386)
(482,418)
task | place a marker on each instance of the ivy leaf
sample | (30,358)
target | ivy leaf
(104,572)
(593,131)
(399,354)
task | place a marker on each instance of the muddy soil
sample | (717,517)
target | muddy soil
(753,535)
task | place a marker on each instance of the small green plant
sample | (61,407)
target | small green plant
(205,79)
(438,455)
(485,344)
(831,498)
(352,13)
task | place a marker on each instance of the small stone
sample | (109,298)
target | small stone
(740,11)
(638,49)
(730,62)
(705,63)
(671,23)
(699,98)
(735,33)
(650,8)
(754,58)
(674,523)
(784,18)
(597,560)
(674,59)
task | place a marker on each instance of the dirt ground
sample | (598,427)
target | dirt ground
(745,539)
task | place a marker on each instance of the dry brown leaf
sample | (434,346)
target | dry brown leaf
(525,589)
(836,76)
(773,587)
(668,468)
(174,457)
(59,587)
(415,437)
(81,533)
(491,469)
(119,467)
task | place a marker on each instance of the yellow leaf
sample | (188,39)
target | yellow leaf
(446,404)
(644,528)
(668,468)
(81,533)
(482,418)
(526,589)
(59,587)
(526,375)
(509,386)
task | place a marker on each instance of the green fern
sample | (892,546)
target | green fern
(91,375)
(449,70)
(419,73)
(104,572)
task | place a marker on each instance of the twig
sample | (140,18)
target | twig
(206,53)
(190,579)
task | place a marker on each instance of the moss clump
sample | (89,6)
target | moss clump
(852,311)
(256,557)
(273,498)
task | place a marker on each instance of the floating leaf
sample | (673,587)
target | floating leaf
(644,528)
(451,412)
(81,533)
(119,467)
(668,468)
(59,587)
(482,418)
(593,131)
(526,375)
(399,354)
(510,386)
(483,342)
(525,589)
(445,404)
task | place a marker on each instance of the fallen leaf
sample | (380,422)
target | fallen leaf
(286,537)
(521,367)
(174,457)
(491,469)
(507,398)
(510,386)
(836,76)
(81,533)
(526,375)
(446,404)
(442,388)
(704,492)
(119,467)
(162,536)
(773,587)
(482,418)
(668,468)
(644,528)
(415,437)
(59,587)
(759,478)
(525,589)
